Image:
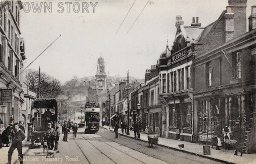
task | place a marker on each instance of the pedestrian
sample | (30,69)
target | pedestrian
(65,131)
(21,126)
(56,138)
(17,137)
(218,134)
(50,137)
(237,135)
(74,128)
(116,129)
(1,143)
(6,135)
(30,128)
(135,129)
(123,126)
(226,133)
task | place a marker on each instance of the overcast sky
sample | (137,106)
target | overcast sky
(87,36)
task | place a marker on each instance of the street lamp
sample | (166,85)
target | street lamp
(109,108)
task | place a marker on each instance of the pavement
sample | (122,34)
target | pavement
(4,153)
(226,156)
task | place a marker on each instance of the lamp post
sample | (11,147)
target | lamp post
(128,112)
(109,108)
(138,110)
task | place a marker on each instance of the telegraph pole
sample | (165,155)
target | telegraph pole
(128,105)
(39,81)
(109,109)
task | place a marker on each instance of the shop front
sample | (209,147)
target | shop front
(155,119)
(180,119)
(226,110)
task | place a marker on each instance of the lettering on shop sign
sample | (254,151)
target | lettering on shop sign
(184,54)
(6,95)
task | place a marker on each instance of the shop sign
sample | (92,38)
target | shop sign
(6,95)
(179,56)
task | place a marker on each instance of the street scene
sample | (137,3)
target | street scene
(127,81)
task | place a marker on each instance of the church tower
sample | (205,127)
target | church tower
(101,82)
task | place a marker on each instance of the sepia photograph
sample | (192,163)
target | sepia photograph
(127,81)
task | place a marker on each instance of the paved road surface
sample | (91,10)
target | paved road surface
(103,148)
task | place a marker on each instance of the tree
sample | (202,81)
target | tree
(49,87)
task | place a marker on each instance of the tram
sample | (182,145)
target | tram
(92,117)
(43,111)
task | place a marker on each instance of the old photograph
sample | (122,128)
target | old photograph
(127,81)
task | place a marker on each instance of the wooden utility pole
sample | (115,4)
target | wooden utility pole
(128,105)
(39,81)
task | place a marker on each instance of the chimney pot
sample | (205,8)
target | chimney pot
(252,19)
(197,20)
(229,9)
(253,12)
(193,20)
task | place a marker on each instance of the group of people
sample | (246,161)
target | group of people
(52,136)
(66,127)
(117,121)
(6,134)
(224,137)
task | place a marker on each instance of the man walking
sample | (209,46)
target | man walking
(17,137)
(65,131)
(50,137)
(116,129)
(75,130)
(56,138)
(116,121)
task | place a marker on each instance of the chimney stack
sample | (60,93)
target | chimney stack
(195,22)
(238,9)
(252,19)
(179,21)
(229,24)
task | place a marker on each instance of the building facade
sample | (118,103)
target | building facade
(12,55)
(225,92)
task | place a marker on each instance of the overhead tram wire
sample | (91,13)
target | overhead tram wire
(138,16)
(40,54)
(125,16)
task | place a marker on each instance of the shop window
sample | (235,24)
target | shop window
(236,65)
(17,68)
(152,97)
(209,74)
(171,124)
(168,83)
(182,79)
(157,120)
(172,84)
(10,61)
(174,81)
(178,88)
(164,83)
(188,77)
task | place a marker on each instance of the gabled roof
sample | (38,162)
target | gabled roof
(191,34)
(211,26)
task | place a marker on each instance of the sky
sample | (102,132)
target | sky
(86,34)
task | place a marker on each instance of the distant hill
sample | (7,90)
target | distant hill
(80,90)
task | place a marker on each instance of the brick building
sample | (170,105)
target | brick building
(224,76)
(12,55)
(175,80)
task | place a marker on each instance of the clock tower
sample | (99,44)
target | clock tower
(101,83)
